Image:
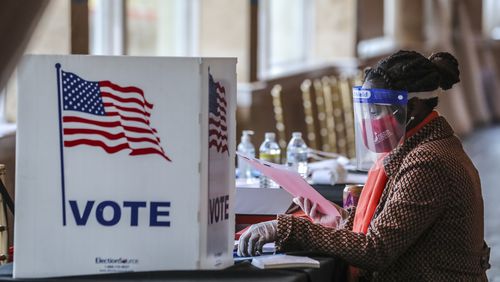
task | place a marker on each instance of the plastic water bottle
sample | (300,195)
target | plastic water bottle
(269,151)
(245,148)
(296,154)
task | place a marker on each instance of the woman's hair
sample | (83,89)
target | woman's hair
(410,71)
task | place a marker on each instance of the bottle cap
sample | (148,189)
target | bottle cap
(297,135)
(247,132)
(270,135)
(245,135)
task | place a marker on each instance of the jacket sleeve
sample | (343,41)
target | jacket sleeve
(418,197)
(348,218)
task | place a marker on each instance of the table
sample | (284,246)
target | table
(243,271)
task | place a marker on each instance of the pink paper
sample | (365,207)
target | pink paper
(293,183)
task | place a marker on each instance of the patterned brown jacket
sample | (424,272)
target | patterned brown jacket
(428,225)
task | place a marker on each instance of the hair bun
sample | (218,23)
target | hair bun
(447,66)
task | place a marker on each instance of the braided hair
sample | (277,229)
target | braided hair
(411,71)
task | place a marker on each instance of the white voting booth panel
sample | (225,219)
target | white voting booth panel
(124,164)
(262,201)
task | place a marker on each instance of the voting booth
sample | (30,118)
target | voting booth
(124,164)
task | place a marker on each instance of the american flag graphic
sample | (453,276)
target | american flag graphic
(106,115)
(217,126)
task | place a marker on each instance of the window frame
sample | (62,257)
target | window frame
(491,22)
(264,68)
(3,97)
(109,30)
(374,47)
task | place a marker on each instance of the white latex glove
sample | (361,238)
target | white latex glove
(311,210)
(256,236)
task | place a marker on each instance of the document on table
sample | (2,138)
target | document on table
(293,183)
(284,261)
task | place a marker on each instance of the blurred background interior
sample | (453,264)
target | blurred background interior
(297,60)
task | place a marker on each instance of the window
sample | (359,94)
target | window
(166,28)
(285,35)
(379,39)
(51,36)
(144,27)
(491,19)
(2,106)
(106,27)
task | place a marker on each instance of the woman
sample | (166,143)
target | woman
(420,215)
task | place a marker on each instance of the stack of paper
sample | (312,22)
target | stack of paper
(284,261)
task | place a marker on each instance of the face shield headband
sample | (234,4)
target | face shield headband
(380,117)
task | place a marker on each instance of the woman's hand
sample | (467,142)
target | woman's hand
(311,210)
(256,236)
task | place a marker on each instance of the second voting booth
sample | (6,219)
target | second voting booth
(124,164)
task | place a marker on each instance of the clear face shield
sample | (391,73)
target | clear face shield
(380,122)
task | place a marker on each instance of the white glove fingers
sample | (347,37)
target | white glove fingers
(307,206)
(299,201)
(243,243)
(314,211)
(252,244)
(259,246)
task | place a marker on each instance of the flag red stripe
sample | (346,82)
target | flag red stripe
(145,151)
(110,136)
(127,109)
(137,129)
(220,147)
(107,124)
(222,111)
(129,89)
(123,100)
(97,143)
(220,87)
(217,133)
(222,118)
(222,101)
(217,123)
(137,119)
(91,121)
(143,139)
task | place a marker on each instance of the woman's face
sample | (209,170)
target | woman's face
(378,111)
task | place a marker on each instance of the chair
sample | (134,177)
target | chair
(330,119)
(320,104)
(328,113)
(345,89)
(4,235)
(305,88)
(338,115)
(355,80)
(278,115)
